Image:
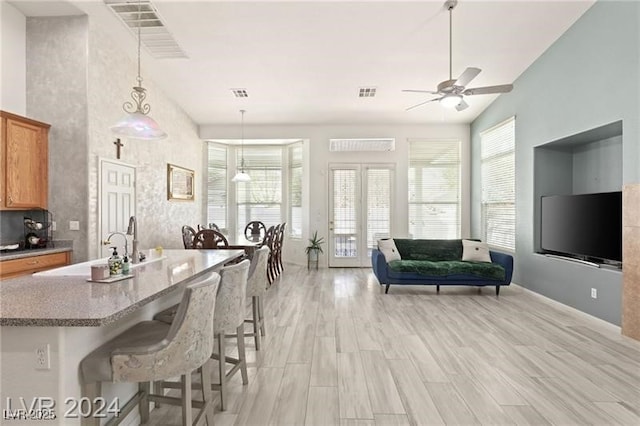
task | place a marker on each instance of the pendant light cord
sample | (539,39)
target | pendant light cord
(242,140)
(451,43)
(139,40)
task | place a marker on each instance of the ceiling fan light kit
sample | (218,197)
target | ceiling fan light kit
(450,101)
(451,92)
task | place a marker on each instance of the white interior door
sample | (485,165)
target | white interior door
(359,211)
(117,202)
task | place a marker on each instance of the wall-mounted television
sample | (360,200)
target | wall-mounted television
(585,226)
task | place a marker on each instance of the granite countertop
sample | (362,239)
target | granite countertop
(71,301)
(58,247)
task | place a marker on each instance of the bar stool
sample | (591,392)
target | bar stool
(256,288)
(154,350)
(228,321)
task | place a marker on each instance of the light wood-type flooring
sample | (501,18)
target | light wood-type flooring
(338,351)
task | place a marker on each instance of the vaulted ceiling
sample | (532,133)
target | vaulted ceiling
(304,62)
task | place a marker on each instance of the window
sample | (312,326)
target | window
(294,218)
(217,185)
(261,198)
(498,185)
(434,189)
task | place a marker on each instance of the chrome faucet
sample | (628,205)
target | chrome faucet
(126,244)
(132,229)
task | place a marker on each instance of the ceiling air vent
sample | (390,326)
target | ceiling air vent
(367,92)
(240,93)
(154,35)
(376,144)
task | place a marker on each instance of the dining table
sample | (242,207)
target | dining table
(240,241)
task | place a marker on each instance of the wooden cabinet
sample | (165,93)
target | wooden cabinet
(24,158)
(28,265)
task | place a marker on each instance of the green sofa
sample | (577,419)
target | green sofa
(439,262)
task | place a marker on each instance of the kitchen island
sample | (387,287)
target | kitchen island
(52,320)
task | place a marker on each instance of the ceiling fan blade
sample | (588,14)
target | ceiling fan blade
(422,103)
(487,90)
(462,105)
(420,91)
(466,77)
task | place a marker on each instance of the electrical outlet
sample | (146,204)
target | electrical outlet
(53,225)
(74,225)
(594,293)
(43,357)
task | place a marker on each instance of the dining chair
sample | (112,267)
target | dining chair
(211,225)
(281,233)
(255,231)
(154,351)
(188,233)
(209,239)
(269,241)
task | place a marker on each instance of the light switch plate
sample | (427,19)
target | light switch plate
(53,225)
(74,225)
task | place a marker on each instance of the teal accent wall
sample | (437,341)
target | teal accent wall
(590,77)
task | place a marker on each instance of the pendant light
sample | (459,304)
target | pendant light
(137,124)
(241,176)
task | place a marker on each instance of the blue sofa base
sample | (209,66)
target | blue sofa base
(381,271)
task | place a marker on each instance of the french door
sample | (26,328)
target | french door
(359,211)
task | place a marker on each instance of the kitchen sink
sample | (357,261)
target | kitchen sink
(84,269)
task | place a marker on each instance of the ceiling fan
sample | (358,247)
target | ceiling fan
(451,92)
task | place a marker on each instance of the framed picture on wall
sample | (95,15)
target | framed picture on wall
(180,183)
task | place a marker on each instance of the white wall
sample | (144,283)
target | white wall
(13,97)
(319,157)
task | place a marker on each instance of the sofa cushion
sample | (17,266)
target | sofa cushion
(388,248)
(432,250)
(491,271)
(476,251)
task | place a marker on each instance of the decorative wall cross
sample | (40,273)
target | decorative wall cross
(118,145)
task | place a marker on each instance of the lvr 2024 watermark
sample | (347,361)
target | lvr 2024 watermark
(44,408)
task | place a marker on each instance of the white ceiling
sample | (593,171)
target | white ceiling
(303,62)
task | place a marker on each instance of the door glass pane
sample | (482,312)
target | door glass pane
(344,219)
(378,206)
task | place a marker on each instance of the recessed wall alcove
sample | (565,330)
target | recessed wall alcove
(583,163)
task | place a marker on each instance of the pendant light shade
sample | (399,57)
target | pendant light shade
(137,124)
(241,176)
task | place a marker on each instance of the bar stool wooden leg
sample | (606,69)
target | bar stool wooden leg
(242,355)
(207,394)
(222,371)
(261,315)
(91,391)
(185,391)
(256,320)
(143,407)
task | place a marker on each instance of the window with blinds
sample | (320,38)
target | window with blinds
(294,219)
(434,189)
(498,185)
(217,185)
(261,198)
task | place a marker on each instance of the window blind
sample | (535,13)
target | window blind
(217,185)
(261,198)
(295,190)
(434,189)
(498,184)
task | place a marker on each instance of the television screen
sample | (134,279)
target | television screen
(587,225)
